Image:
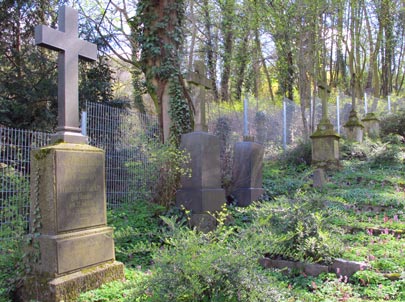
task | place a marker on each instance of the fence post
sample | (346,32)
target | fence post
(284,124)
(389,104)
(245,117)
(84,123)
(338,113)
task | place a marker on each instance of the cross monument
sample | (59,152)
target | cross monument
(70,48)
(200,83)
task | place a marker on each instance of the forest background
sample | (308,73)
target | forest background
(267,49)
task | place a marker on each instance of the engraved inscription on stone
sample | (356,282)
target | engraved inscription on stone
(79,190)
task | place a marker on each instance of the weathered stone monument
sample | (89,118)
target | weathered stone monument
(73,249)
(202,193)
(325,141)
(319,178)
(247,166)
(247,169)
(353,127)
(199,84)
(371,125)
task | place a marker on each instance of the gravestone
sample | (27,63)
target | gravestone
(199,83)
(325,141)
(261,129)
(73,249)
(319,178)
(202,193)
(247,176)
(371,125)
(354,129)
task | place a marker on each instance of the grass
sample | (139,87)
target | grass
(359,215)
(341,203)
(345,214)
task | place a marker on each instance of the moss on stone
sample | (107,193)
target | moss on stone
(323,133)
(353,123)
(393,276)
(42,153)
(67,288)
(370,117)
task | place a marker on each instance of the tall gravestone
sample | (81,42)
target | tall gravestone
(325,141)
(371,125)
(73,248)
(247,172)
(202,193)
(354,128)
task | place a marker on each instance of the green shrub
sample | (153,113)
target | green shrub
(301,154)
(214,266)
(12,231)
(377,153)
(393,124)
(300,230)
(12,243)
(166,164)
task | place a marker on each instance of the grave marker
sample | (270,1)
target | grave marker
(202,193)
(199,84)
(73,246)
(70,48)
(325,141)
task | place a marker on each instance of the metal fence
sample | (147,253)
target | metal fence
(15,147)
(125,135)
(129,138)
(281,125)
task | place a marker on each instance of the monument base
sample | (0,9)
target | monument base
(245,196)
(354,128)
(371,125)
(204,222)
(201,200)
(68,287)
(354,134)
(325,147)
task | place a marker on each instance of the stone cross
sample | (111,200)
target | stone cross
(70,48)
(200,83)
(325,92)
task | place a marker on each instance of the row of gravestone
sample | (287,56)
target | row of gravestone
(202,193)
(72,249)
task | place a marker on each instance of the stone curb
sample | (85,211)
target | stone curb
(340,267)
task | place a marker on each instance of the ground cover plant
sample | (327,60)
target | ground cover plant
(359,215)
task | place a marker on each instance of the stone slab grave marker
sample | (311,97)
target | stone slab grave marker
(199,84)
(75,249)
(247,169)
(70,48)
(371,125)
(202,192)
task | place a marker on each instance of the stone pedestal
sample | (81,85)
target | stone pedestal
(371,125)
(325,146)
(73,250)
(319,178)
(247,172)
(202,192)
(354,128)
